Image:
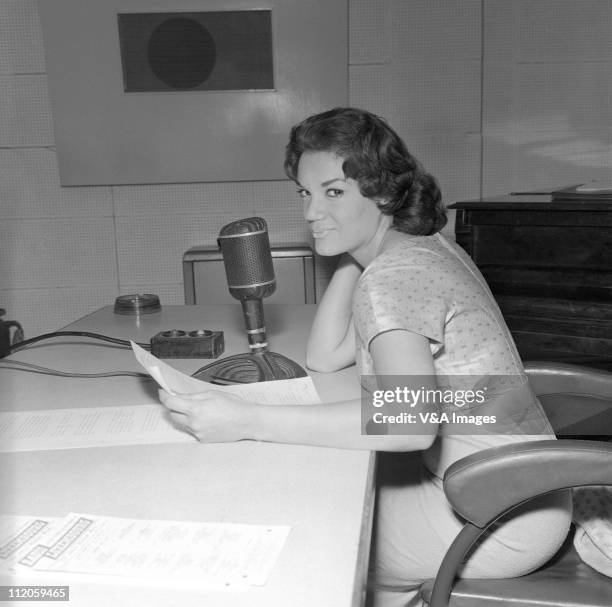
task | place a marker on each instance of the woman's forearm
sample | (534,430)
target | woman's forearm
(331,344)
(326,425)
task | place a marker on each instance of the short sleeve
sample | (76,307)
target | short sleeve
(404,297)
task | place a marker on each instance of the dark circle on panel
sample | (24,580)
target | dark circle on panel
(181,53)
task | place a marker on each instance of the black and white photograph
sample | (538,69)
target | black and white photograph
(306,303)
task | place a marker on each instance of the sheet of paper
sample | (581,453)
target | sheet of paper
(136,424)
(298,391)
(156,552)
(20,534)
(87,427)
(595,186)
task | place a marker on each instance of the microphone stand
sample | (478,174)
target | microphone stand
(255,366)
(250,367)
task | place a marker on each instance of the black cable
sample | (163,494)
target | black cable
(32,340)
(18,365)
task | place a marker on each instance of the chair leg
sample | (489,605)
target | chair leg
(452,562)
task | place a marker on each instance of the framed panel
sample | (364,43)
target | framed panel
(170,91)
(204,51)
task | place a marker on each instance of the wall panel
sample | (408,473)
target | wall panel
(21,45)
(182,198)
(44,253)
(25,113)
(443,99)
(436,31)
(42,310)
(369,40)
(369,88)
(547,94)
(151,251)
(29,188)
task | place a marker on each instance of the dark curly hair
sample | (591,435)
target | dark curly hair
(377,158)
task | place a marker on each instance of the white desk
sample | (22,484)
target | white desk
(325,495)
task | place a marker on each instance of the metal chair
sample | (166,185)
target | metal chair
(487,485)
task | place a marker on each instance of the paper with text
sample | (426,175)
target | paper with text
(20,534)
(158,552)
(87,427)
(298,391)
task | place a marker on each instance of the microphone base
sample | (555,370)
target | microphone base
(249,368)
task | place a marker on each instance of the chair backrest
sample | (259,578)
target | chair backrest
(577,399)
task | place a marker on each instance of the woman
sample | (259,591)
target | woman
(402,303)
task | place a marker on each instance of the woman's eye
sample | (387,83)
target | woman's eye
(302,193)
(334,192)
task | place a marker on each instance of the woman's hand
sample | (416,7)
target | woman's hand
(212,416)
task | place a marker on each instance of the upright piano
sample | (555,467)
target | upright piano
(549,265)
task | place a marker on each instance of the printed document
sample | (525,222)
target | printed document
(148,552)
(20,534)
(87,427)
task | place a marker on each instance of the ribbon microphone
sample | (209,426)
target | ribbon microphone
(250,277)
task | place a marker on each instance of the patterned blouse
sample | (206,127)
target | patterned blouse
(428,286)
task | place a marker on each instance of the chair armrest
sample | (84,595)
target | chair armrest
(483,486)
(548,379)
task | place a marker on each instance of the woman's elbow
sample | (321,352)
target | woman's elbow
(322,364)
(326,363)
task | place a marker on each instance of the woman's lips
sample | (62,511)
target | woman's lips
(320,232)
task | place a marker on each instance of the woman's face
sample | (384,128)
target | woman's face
(340,218)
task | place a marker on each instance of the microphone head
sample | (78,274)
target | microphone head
(247,258)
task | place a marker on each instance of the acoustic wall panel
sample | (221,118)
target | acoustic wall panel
(547,94)
(435,31)
(38,253)
(369,88)
(176,91)
(171,200)
(29,189)
(21,49)
(151,252)
(369,27)
(42,310)
(25,116)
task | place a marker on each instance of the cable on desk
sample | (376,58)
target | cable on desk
(32,340)
(18,365)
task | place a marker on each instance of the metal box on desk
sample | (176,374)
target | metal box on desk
(205,281)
